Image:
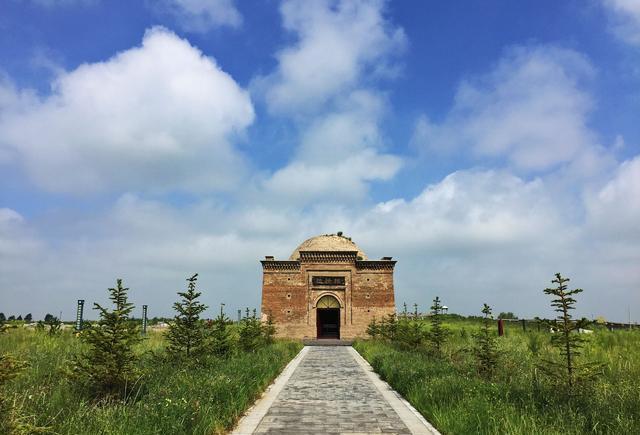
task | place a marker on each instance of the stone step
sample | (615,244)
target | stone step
(326,342)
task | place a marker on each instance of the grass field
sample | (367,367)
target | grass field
(518,400)
(169,399)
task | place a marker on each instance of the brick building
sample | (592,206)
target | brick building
(326,289)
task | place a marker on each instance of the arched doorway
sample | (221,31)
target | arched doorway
(328,317)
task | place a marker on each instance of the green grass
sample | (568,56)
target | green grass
(519,400)
(170,398)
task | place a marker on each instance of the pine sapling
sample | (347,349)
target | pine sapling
(408,331)
(567,340)
(373,329)
(269,329)
(186,333)
(250,333)
(389,326)
(437,335)
(54,325)
(485,349)
(108,369)
(221,340)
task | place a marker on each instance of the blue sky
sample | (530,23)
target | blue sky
(478,143)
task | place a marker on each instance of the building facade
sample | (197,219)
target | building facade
(326,289)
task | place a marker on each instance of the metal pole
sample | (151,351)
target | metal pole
(500,327)
(144,319)
(79,312)
(524,325)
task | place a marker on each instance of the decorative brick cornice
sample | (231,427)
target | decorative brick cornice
(280,265)
(328,256)
(376,265)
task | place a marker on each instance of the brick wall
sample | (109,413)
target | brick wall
(289,295)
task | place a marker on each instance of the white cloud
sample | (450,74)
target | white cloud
(473,237)
(626,19)
(530,110)
(338,42)
(156,117)
(326,82)
(202,15)
(340,152)
(615,208)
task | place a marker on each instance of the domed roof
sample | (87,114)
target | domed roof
(328,242)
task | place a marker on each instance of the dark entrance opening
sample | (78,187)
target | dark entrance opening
(328,322)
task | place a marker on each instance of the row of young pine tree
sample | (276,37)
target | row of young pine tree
(110,369)
(565,370)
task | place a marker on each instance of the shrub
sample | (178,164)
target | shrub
(108,368)
(186,333)
(485,350)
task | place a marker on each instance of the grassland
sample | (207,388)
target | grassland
(169,399)
(519,399)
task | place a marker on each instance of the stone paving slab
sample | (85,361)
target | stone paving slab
(332,390)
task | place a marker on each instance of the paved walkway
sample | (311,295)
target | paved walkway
(331,390)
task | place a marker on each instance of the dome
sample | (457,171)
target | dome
(328,242)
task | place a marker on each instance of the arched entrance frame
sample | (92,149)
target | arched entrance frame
(328,320)
(328,293)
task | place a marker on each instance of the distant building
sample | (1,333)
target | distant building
(327,289)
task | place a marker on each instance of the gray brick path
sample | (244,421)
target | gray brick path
(330,393)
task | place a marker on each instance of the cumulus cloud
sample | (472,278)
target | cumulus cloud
(326,81)
(339,154)
(338,42)
(472,237)
(156,117)
(202,15)
(626,19)
(530,110)
(615,208)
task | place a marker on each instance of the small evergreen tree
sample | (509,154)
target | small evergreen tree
(389,326)
(221,340)
(568,342)
(186,333)
(485,349)
(108,368)
(408,331)
(54,325)
(48,317)
(437,335)
(250,333)
(19,317)
(269,329)
(12,318)
(373,329)
(3,318)
(28,318)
